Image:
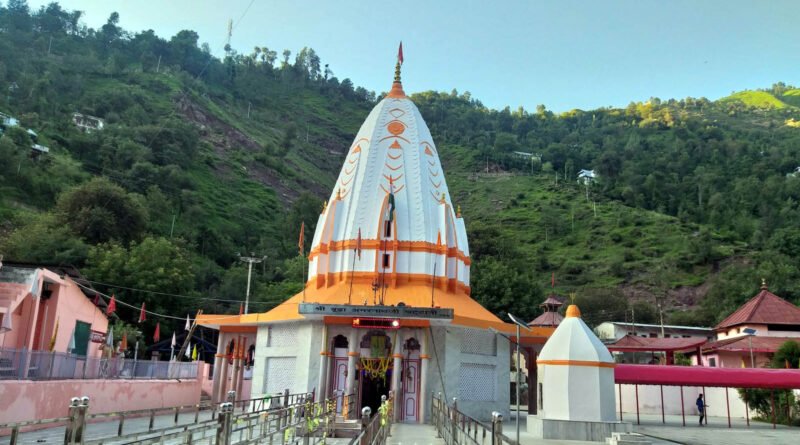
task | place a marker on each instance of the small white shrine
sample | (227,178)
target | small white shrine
(576,385)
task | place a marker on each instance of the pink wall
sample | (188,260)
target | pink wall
(27,400)
(34,319)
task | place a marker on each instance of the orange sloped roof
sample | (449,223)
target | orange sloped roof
(466,311)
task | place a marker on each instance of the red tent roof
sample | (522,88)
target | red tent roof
(705,376)
(764,308)
(547,319)
(631,343)
(742,344)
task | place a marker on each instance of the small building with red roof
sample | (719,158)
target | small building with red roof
(550,318)
(751,335)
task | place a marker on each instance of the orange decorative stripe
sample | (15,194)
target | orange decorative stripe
(424,356)
(351,170)
(428,151)
(397,355)
(392,168)
(396,145)
(435,184)
(353,354)
(398,246)
(393,178)
(576,363)
(398,137)
(352,161)
(431,163)
(357,149)
(431,172)
(345,183)
(323,353)
(394,157)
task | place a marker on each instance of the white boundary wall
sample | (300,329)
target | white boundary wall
(650,401)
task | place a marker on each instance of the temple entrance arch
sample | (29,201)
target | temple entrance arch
(374,369)
(339,370)
(410,381)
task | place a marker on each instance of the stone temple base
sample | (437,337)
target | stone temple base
(574,429)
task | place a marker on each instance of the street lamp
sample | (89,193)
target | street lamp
(520,324)
(750,332)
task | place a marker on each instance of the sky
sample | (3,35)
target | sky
(564,54)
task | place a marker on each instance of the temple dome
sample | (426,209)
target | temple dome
(573,340)
(393,153)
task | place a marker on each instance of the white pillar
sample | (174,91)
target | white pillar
(219,359)
(396,371)
(323,363)
(353,351)
(423,375)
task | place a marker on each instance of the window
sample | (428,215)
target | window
(712,362)
(653,335)
(385,260)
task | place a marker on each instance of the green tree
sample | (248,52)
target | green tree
(101,211)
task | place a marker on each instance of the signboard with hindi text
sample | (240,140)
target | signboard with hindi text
(344,310)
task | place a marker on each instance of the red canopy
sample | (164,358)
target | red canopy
(630,343)
(706,376)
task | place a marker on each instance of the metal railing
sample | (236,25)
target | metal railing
(276,419)
(22,364)
(456,427)
(375,430)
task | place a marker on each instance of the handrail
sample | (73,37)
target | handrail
(456,427)
(375,430)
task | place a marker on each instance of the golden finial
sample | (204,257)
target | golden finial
(764,284)
(572,296)
(397,86)
(324,206)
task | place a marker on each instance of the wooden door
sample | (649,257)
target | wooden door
(410,394)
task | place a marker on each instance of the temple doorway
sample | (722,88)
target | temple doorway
(409,382)
(375,369)
(339,376)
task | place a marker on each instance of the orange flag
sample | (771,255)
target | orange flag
(300,242)
(142,316)
(157,333)
(123,346)
(112,305)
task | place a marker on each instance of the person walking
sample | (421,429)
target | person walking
(701,408)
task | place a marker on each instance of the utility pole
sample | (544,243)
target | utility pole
(250,261)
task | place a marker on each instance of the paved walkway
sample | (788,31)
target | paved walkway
(413,434)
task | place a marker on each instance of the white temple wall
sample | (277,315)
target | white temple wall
(286,356)
(474,366)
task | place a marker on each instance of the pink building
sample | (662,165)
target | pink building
(770,321)
(40,305)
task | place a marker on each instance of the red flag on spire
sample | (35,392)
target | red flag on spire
(142,316)
(97,299)
(358,244)
(400,53)
(300,241)
(157,333)
(241,308)
(112,306)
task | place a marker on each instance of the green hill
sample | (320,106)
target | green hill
(204,158)
(791,97)
(755,99)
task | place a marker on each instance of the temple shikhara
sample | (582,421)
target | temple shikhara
(386,306)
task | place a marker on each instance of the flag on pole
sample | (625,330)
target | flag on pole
(173,340)
(358,244)
(300,242)
(123,345)
(194,353)
(110,337)
(390,202)
(112,305)
(71,346)
(188,352)
(53,338)
(6,326)
(241,308)
(400,53)
(157,333)
(142,314)
(188,323)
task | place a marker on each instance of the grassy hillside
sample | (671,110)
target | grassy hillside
(215,157)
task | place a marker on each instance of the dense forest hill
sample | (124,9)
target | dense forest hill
(203,158)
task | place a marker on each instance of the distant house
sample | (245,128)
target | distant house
(586,176)
(550,317)
(532,156)
(772,322)
(7,121)
(42,308)
(795,173)
(87,123)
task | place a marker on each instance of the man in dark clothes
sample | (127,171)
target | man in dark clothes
(701,408)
